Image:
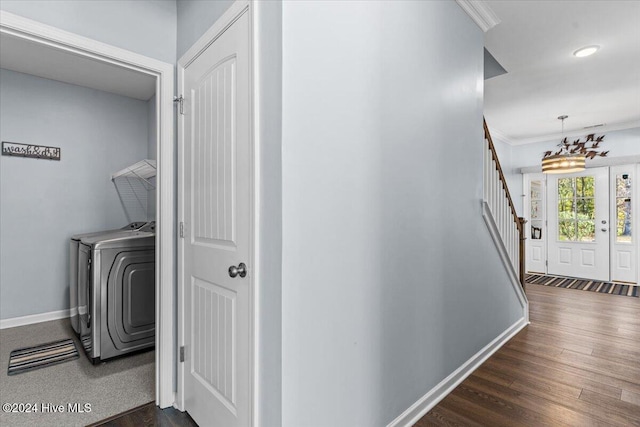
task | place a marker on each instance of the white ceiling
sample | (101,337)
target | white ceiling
(28,57)
(535,41)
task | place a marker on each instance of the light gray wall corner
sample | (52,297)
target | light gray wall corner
(44,202)
(390,279)
(195,17)
(268,40)
(492,67)
(147,27)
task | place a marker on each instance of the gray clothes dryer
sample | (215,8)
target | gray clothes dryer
(73,266)
(119,293)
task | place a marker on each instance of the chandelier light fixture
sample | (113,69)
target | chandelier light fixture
(571,156)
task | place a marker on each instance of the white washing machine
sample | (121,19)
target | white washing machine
(73,266)
(117,275)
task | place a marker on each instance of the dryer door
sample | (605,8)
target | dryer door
(131,300)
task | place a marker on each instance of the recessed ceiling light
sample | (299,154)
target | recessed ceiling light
(586,51)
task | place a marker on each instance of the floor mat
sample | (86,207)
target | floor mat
(584,285)
(41,356)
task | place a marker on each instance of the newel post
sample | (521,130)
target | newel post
(521,223)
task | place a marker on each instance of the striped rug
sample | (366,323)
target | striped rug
(584,285)
(41,356)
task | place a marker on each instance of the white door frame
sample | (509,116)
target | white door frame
(56,38)
(233,12)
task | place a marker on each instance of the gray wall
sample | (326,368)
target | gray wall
(147,27)
(390,278)
(194,18)
(269,190)
(619,143)
(43,202)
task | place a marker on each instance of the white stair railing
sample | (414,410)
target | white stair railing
(498,199)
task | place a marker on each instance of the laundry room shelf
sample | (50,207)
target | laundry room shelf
(144,170)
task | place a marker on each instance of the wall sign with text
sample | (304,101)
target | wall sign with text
(30,150)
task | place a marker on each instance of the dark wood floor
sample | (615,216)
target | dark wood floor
(577,364)
(149,415)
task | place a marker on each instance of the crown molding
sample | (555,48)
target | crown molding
(480,12)
(501,136)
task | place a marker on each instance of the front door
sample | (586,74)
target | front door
(578,228)
(217,214)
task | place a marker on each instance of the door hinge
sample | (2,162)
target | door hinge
(182,229)
(546,263)
(180,101)
(182,354)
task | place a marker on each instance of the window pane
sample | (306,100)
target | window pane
(536,230)
(536,190)
(623,185)
(585,186)
(566,230)
(565,188)
(586,231)
(566,209)
(585,209)
(623,220)
(536,209)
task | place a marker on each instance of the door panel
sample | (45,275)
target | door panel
(213,158)
(214,309)
(578,213)
(216,169)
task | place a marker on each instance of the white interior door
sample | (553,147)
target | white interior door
(623,243)
(216,211)
(535,228)
(578,222)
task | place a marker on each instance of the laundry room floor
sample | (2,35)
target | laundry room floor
(109,388)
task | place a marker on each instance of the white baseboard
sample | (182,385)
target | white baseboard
(34,318)
(446,386)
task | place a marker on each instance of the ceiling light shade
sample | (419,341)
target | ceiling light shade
(586,51)
(563,163)
(571,156)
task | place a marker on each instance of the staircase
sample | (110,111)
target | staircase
(500,212)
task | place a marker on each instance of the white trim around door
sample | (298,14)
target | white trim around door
(56,38)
